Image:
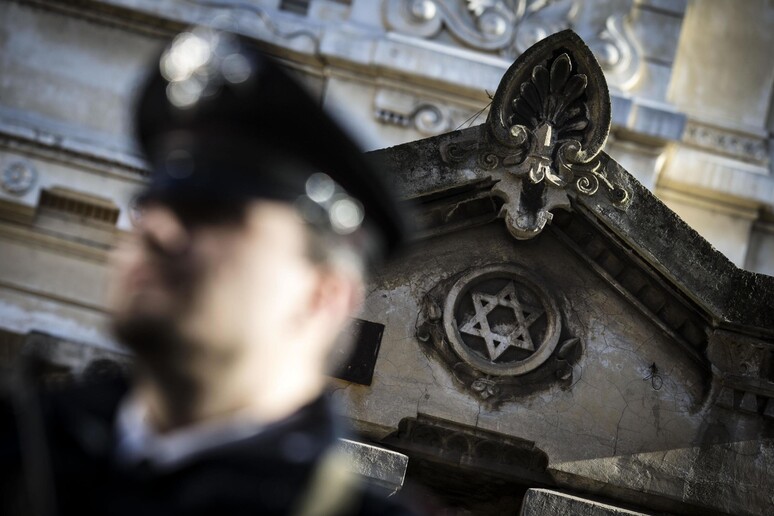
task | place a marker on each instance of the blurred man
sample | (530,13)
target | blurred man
(247,262)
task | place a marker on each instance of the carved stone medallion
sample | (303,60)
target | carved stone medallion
(18,177)
(499,331)
(501,321)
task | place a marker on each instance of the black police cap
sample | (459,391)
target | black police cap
(220,120)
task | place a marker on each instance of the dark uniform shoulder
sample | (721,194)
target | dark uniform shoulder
(45,430)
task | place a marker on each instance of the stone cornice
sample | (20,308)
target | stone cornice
(37,136)
(742,145)
(460,72)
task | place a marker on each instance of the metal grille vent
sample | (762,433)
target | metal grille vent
(74,203)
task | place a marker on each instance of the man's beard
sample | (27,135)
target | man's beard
(152,329)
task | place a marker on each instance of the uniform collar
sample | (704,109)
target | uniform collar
(137,441)
(297,439)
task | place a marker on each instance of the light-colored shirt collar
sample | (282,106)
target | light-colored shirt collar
(137,441)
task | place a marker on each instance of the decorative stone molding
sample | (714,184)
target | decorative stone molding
(18,177)
(511,27)
(548,122)
(632,277)
(499,331)
(479,449)
(745,147)
(428,117)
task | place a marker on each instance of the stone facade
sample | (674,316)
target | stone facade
(556,325)
(572,330)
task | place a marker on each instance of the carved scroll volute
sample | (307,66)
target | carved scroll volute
(551,117)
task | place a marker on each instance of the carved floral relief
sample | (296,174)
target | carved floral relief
(510,27)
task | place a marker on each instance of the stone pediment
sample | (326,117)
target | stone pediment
(537,163)
(553,298)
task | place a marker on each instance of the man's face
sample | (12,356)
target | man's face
(207,287)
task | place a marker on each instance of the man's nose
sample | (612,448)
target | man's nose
(162,230)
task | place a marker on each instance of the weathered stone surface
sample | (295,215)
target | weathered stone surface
(608,409)
(732,478)
(640,250)
(730,294)
(430,65)
(544,502)
(383,467)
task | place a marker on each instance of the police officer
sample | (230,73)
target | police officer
(248,260)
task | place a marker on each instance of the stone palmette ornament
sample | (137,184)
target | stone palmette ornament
(549,120)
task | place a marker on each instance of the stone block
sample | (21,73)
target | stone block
(709,80)
(727,232)
(544,502)
(654,82)
(657,32)
(749,403)
(728,478)
(656,120)
(621,109)
(381,466)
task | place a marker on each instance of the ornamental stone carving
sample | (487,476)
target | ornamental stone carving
(510,27)
(18,177)
(747,147)
(499,331)
(501,321)
(429,117)
(478,449)
(543,137)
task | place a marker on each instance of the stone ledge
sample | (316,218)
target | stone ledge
(731,477)
(382,467)
(647,120)
(544,502)
(724,178)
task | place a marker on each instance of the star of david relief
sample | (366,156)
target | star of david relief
(518,334)
(501,321)
(499,332)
